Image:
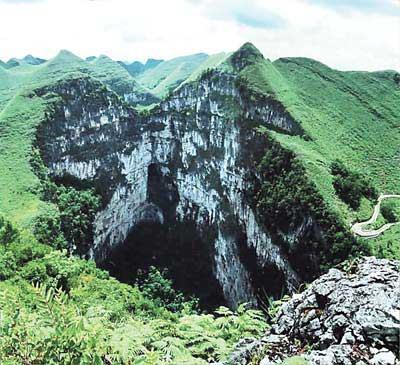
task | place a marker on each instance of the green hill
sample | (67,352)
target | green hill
(118,79)
(168,75)
(3,64)
(20,115)
(352,117)
(135,68)
(59,309)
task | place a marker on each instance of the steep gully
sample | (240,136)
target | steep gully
(360,228)
(175,184)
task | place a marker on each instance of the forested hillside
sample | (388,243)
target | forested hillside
(134,201)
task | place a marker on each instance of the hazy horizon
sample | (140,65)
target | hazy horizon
(345,35)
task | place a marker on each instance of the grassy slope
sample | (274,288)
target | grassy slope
(115,75)
(351,116)
(170,74)
(211,62)
(17,182)
(19,117)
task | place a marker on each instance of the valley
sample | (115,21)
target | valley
(358,228)
(187,197)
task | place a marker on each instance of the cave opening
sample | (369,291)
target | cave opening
(267,280)
(176,247)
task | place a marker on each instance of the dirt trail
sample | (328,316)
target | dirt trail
(358,228)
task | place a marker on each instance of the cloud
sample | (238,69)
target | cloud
(258,18)
(389,7)
(20,1)
(360,40)
(254,14)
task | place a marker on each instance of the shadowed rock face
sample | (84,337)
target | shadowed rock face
(193,160)
(346,318)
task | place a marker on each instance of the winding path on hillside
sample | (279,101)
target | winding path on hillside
(358,228)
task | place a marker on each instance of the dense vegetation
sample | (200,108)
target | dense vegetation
(352,117)
(57,309)
(285,198)
(67,223)
(390,210)
(350,186)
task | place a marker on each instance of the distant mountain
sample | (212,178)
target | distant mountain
(31,60)
(114,75)
(13,62)
(167,75)
(27,60)
(135,68)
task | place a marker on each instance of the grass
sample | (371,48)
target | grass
(18,184)
(350,116)
(170,74)
(20,115)
(116,76)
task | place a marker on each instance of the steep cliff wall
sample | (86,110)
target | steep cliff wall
(192,160)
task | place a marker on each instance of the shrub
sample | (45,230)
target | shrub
(156,286)
(47,228)
(350,186)
(78,209)
(390,211)
(8,232)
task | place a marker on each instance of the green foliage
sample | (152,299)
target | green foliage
(350,186)
(285,196)
(390,210)
(8,233)
(76,314)
(55,333)
(67,223)
(47,228)
(158,288)
(77,212)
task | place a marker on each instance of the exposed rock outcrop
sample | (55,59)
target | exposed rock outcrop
(202,144)
(343,318)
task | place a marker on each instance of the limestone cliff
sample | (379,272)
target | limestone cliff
(191,160)
(349,316)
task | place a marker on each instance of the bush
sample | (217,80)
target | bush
(284,196)
(350,186)
(390,211)
(71,223)
(78,209)
(47,228)
(8,232)
(156,286)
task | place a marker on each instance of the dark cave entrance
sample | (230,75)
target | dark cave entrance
(176,247)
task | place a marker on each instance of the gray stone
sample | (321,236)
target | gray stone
(334,355)
(199,142)
(384,358)
(346,318)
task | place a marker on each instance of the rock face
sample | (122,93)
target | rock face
(343,318)
(192,160)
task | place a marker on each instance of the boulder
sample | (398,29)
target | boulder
(349,316)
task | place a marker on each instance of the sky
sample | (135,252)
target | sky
(344,34)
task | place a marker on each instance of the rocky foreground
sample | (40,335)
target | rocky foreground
(346,317)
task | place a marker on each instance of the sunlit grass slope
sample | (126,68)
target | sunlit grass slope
(170,74)
(20,114)
(350,116)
